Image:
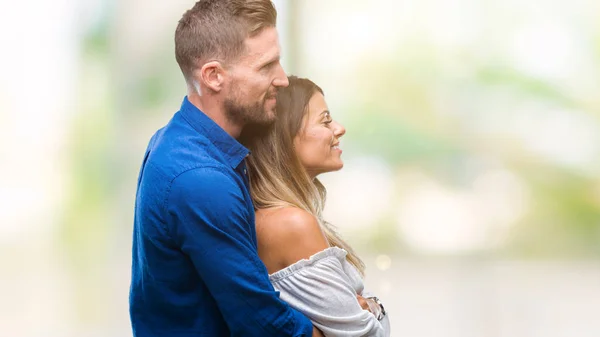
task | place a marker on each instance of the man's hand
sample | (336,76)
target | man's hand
(317,332)
(363,302)
(372,306)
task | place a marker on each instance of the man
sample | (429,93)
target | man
(195,267)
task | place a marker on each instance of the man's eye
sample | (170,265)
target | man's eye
(269,65)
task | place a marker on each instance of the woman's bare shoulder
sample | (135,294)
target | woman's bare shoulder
(290,233)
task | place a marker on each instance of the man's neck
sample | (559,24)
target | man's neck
(214,110)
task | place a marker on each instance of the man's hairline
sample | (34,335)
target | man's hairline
(226,64)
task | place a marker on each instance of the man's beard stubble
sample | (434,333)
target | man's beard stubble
(256,122)
(248,115)
(254,119)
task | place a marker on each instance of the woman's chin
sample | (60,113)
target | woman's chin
(330,168)
(337,167)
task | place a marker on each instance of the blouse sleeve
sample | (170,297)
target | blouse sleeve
(385,321)
(321,290)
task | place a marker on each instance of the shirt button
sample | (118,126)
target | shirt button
(245,172)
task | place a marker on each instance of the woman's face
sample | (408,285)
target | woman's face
(317,142)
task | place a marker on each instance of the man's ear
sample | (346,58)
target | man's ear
(212,75)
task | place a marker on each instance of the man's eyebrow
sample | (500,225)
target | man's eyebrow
(275,58)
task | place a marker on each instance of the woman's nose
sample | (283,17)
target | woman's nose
(339,130)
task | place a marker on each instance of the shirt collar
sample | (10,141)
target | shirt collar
(231,149)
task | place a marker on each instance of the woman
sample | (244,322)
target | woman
(313,268)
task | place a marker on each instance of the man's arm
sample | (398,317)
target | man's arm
(295,235)
(212,226)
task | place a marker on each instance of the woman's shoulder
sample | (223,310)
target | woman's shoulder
(286,219)
(290,233)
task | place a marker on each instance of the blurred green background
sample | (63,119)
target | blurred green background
(471,184)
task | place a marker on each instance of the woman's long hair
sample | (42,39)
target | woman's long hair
(277,177)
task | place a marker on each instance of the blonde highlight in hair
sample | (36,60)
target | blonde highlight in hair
(277,177)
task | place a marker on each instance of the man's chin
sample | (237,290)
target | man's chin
(271,115)
(256,129)
(266,120)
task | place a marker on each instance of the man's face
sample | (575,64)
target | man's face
(254,79)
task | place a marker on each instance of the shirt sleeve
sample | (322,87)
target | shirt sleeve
(320,288)
(385,321)
(211,224)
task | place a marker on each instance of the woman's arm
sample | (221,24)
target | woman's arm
(310,275)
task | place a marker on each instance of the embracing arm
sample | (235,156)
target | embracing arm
(212,226)
(315,281)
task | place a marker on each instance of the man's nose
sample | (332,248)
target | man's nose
(281,80)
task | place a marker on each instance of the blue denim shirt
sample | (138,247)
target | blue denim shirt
(195,267)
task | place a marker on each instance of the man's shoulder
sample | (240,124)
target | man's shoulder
(175,150)
(182,168)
